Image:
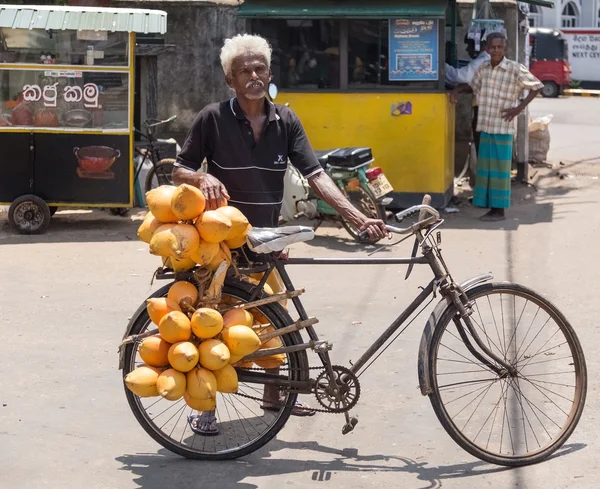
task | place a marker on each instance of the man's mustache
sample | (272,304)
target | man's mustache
(252,82)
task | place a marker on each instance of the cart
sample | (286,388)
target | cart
(66,108)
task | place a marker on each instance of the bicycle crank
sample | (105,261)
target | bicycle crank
(340,393)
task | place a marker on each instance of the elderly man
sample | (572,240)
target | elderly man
(247,142)
(497,84)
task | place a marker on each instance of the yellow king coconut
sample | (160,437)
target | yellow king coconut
(241,340)
(183,356)
(183,292)
(159,202)
(223,255)
(227,379)
(176,240)
(155,351)
(142,381)
(148,228)
(205,252)
(201,384)
(206,323)
(188,202)
(238,241)
(200,404)
(239,222)
(237,317)
(213,226)
(175,327)
(159,307)
(273,361)
(179,265)
(214,354)
(171,384)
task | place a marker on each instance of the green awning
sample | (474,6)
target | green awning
(357,9)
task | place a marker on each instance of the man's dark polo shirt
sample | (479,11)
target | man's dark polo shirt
(251,172)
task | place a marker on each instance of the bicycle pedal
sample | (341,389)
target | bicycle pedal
(348,427)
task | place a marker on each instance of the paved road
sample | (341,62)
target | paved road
(574,128)
(66,297)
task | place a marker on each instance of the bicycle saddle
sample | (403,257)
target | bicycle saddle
(269,240)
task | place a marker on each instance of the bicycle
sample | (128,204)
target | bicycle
(162,168)
(479,370)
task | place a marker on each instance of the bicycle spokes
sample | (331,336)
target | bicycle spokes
(514,414)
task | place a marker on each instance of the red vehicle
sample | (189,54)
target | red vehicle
(549,60)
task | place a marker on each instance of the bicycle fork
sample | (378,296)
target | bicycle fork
(464,309)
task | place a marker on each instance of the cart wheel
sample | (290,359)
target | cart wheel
(29,214)
(53,209)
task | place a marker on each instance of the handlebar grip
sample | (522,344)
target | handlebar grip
(426,201)
(363,235)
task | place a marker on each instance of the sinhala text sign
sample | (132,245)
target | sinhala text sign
(584,53)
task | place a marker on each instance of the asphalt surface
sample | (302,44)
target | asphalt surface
(66,298)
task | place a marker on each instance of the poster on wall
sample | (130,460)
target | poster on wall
(414,49)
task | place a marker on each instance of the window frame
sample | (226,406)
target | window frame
(534,16)
(125,66)
(344,62)
(570,20)
(129,70)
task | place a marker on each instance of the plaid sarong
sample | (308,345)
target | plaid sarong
(494,162)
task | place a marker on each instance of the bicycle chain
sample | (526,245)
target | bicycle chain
(280,404)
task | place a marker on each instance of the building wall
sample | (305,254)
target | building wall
(191,77)
(552,18)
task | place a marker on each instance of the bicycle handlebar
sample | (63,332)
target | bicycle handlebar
(151,123)
(427,216)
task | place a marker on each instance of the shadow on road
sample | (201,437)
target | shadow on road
(78,226)
(164,469)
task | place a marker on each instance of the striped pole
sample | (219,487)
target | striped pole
(582,93)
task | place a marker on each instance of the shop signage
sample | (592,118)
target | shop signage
(414,49)
(49,94)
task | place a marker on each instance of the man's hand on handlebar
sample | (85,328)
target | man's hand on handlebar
(375,228)
(214,191)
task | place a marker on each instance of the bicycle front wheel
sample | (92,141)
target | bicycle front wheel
(243,422)
(502,419)
(160,174)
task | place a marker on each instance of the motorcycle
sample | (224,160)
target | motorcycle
(365,185)
(350,168)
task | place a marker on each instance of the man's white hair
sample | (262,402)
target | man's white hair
(244,45)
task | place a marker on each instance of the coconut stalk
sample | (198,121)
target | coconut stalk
(136,337)
(297,326)
(262,302)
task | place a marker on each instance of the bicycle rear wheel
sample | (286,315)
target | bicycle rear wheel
(244,426)
(506,420)
(160,174)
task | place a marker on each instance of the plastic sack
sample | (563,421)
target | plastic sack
(539,139)
(539,123)
(270,240)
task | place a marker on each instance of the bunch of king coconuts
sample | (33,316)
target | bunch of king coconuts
(195,350)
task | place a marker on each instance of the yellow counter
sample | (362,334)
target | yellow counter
(415,150)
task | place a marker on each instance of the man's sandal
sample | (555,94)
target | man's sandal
(204,424)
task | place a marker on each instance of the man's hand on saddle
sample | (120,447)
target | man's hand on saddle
(375,227)
(214,191)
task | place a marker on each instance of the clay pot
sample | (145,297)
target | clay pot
(96,159)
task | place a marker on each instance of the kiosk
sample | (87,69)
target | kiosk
(66,108)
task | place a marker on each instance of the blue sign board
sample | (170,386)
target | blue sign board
(414,49)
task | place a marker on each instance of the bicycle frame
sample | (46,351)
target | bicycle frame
(451,292)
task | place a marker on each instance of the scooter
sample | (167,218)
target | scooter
(351,169)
